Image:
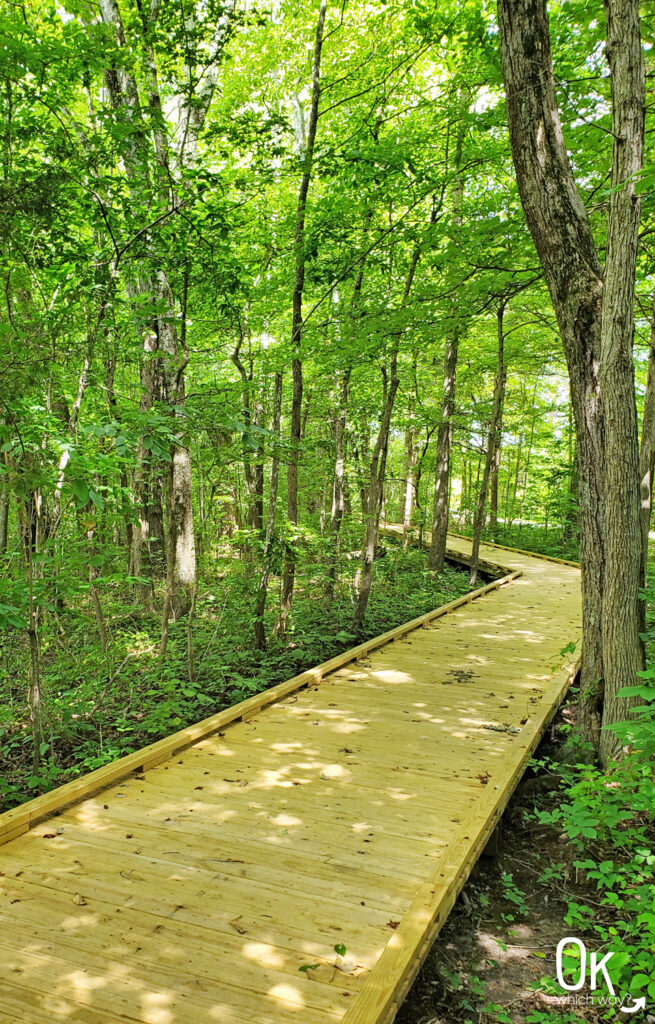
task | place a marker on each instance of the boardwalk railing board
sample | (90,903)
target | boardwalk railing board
(20,819)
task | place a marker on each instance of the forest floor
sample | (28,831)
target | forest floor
(494,960)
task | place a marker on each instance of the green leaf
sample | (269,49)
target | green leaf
(81,491)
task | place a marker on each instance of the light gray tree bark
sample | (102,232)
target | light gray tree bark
(593,306)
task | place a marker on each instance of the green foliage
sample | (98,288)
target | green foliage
(101,706)
(516,897)
(608,819)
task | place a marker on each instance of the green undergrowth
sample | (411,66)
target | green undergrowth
(101,706)
(608,818)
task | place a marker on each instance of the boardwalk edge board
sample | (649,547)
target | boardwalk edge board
(392,976)
(18,820)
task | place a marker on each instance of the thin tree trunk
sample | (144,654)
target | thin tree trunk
(337,507)
(494,430)
(647,451)
(4,507)
(441,505)
(262,586)
(410,483)
(375,493)
(94,572)
(441,500)
(495,471)
(289,573)
(30,528)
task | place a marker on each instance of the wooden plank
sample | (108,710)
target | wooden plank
(136,940)
(156,995)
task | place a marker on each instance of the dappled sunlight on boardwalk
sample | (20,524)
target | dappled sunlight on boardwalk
(290,866)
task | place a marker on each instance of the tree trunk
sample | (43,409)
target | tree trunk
(647,452)
(4,507)
(378,466)
(492,444)
(495,471)
(29,522)
(94,572)
(441,501)
(289,574)
(409,503)
(337,507)
(441,509)
(562,235)
(623,616)
(262,586)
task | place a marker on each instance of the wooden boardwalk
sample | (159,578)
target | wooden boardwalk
(215,886)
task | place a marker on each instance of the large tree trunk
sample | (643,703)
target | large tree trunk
(623,618)
(493,443)
(289,574)
(562,235)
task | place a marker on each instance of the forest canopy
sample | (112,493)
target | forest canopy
(267,284)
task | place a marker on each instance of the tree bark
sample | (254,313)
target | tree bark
(410,483)
(492,444)
(495,472)
(289,574)
(4,507)
(262,586)
(441,507)
(163,339)
(623,616)
(441,501)
(377,471)
(562,235)
(337,506)
(647,451)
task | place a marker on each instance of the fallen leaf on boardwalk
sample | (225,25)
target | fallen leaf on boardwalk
(237,927)
(393,924)
(79,900)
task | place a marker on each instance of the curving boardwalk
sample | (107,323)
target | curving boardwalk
(215,886)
